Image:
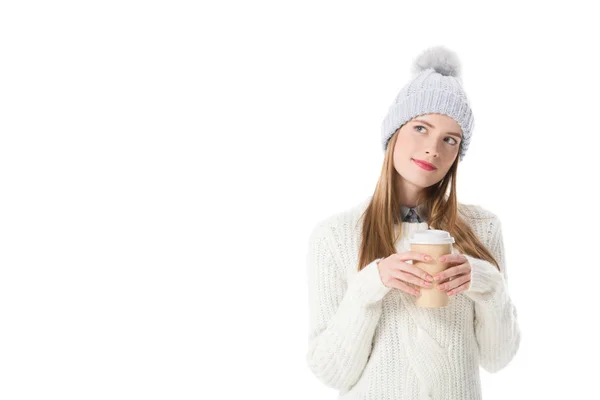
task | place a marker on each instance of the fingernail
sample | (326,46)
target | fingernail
(442,259)
(427,258)
(437,278)
(430,278)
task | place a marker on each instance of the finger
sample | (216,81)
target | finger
(456,282)
(454,258)
(398,284)
(413,255)
(416,271)
(459,289)
(452,271)
(404,276)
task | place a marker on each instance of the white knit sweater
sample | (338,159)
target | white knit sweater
(372,342)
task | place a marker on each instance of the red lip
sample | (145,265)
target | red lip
(424,164)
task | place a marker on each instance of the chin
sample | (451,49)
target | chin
(424,183)
(417,181)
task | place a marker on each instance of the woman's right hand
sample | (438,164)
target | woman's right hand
(396,273)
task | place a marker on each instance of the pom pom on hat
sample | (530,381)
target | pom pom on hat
(441,59)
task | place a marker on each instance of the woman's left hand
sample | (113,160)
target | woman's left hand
(459,273)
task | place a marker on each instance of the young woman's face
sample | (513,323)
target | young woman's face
(433,138)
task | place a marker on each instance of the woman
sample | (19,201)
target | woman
(367,337)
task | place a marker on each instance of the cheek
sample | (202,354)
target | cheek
(445,169)
(400,153)
(406,150)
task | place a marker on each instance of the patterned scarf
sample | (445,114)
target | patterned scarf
(412,216)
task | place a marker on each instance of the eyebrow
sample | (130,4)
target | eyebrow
(431,126)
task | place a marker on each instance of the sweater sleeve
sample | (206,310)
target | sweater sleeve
(496,326)
(342,316)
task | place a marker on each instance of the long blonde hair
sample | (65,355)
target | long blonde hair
(383,211)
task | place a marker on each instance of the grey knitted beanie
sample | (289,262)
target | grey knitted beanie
(435,87)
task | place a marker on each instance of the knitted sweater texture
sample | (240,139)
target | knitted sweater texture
(369,341)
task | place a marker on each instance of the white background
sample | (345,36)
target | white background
(162,164)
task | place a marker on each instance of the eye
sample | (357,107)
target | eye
(455,141)
(449,137)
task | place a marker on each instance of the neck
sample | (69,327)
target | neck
(409,193)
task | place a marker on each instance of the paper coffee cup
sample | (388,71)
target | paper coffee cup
(436,243)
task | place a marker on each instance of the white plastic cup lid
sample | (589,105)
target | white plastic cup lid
(431,236)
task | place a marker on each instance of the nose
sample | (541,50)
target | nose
(432,149)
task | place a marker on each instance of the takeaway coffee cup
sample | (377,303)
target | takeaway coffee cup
(436,243)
